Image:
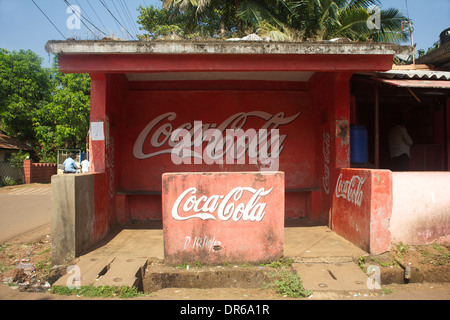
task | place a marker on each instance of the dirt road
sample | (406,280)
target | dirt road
(24,209)
(418,291)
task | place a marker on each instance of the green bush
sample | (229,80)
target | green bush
(7,181)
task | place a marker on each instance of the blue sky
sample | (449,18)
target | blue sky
(24,26)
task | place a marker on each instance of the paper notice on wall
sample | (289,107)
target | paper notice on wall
(97,131)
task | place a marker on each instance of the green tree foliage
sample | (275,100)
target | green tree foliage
(422,52)
(24,89)
(43,107)
(64,121)
(164,23)
(291,20)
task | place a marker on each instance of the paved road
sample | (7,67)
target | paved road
(24,210)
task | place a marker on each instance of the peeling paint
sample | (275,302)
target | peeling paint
(342,131)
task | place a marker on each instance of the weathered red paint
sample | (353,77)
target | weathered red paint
(98,114)
(332,101)
(129,109)
(362,207)
(132,186)
(206,219)
(123,63)
(102,205)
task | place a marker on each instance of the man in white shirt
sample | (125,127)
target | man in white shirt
(399,147)
(85,166)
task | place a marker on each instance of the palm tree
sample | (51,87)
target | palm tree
(226,9)
(302,19)
(328,19)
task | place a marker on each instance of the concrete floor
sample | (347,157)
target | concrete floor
(304,241)
(118,257)
(307,241)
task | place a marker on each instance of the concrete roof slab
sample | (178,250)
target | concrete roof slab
(223,47)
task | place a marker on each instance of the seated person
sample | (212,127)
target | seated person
(69,165)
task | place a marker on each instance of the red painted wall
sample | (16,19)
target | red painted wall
(212,108)
(331,95)
(203,213)
(362,207)
(310,117)
(315,149)
(315,140)
(38,172)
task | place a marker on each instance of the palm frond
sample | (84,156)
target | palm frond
(254,12)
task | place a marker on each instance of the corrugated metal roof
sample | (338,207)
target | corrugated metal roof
(408,83)
(414,74)
(11,143)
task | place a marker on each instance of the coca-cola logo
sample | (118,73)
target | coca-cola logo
(189,205)
(326,162)
(164,137)
(350,190)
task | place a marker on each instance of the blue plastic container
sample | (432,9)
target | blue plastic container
(359,150)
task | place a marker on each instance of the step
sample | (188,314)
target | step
(160,276)
(338,276)
(105,271)
(124,271)
(88,269)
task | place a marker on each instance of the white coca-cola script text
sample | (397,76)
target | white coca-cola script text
(350,190)
(188,205)
(160,131)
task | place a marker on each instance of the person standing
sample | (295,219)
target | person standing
(85,166)
(399,146)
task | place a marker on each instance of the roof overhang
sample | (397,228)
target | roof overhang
(439,57)
(435,84)
(223,47)
(228,59)
(412,78)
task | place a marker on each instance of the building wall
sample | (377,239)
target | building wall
(362,206)
(332,104)
(143,160)
(375,208)
(137,119)
(421,207)
(316,143)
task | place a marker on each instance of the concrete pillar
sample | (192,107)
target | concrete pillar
(27,171)
(98,117)
(73,215)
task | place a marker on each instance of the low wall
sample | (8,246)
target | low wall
(361,208)
(38,172)
(421,207)
(80,214)
(375,208)
(223,217)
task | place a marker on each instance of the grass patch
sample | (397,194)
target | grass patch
(387,290)
(283,262)
(439,258)
(289,284)
(48,250)
(98,292)
(45,264)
